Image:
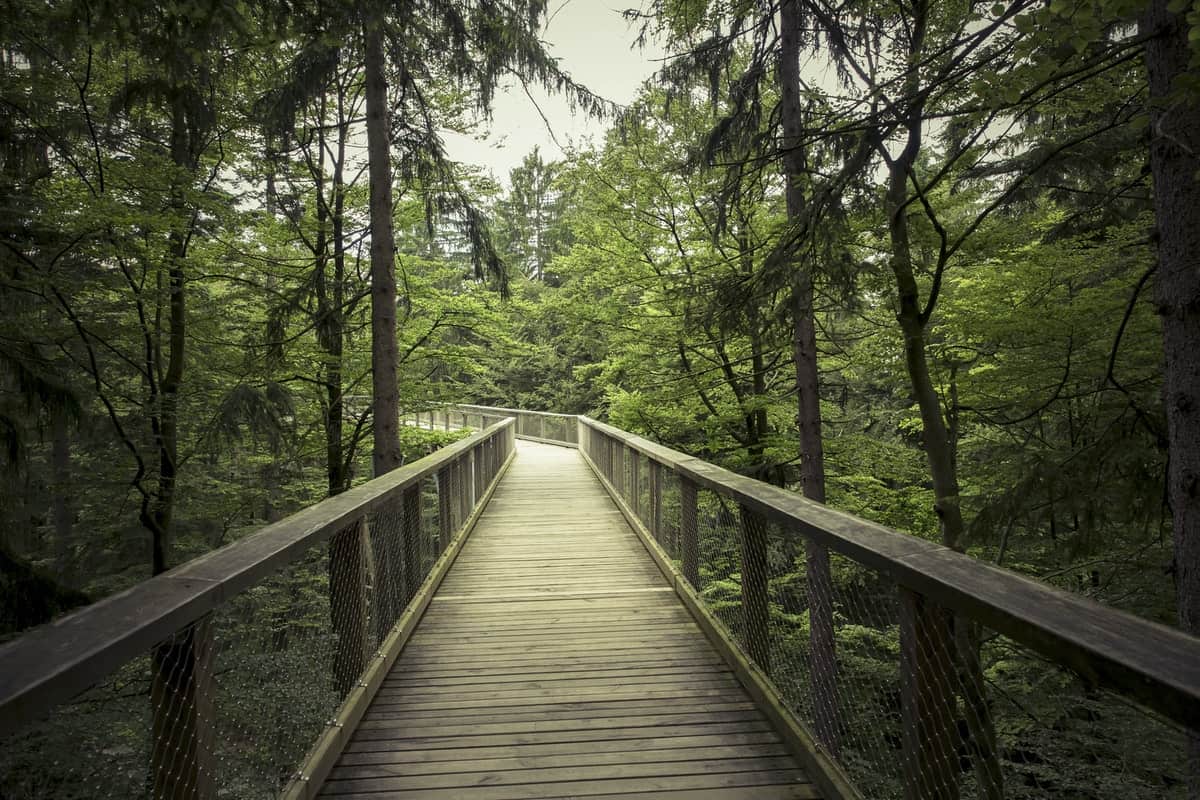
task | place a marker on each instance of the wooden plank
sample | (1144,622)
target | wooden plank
(696,743)
(653,701)
(542,737)
(802,791)
(610,705)
(587,788)
(572,773)
(470,762)
(457,678)
(526,688)
(394,730)
(417,719)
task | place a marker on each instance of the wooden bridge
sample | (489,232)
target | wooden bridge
(580,613)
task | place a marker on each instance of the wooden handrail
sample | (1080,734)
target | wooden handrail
(1154,664)
(515,410)
(53,663)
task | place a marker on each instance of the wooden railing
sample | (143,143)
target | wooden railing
(226,670)
(800,636)
(538,426)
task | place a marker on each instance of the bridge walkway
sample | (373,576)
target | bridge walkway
(555,661)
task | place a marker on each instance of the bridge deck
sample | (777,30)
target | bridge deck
(554,661)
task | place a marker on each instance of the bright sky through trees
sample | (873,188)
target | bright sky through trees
(595,44)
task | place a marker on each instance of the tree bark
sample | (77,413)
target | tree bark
(1174,161)
(386,454)
(823,657)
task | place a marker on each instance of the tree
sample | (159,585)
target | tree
(529,221)
(1174,147)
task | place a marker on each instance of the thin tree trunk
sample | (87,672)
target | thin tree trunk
(181,683)
(937,434)
(1174,161)
(823,657)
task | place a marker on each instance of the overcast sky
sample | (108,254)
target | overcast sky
(595,45)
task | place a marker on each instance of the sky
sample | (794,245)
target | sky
(595,45)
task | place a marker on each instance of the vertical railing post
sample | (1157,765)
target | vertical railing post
(755,600)
(927,700)
(477,457)
(348,609)
(823,688)
(413,534)
(689,544)
(622,471)
(635,480)
(656,500)
(455,487)
(182,720)
(445,524)
(469,481)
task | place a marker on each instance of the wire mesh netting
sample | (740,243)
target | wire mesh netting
(908,698)
(230,705)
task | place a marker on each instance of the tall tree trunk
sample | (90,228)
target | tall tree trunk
(181,683)
(1174,162)
(399,543)
(384,352)
(165,418)
(823,658)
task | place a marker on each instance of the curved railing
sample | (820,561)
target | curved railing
(538,426)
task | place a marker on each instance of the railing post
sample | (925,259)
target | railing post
(348,602)
(755,601)
(445,524)
(413,536)
(478,459)
(822,660)
(181,691)
(927,700)
(469,481)
(689,544)
(656,500)
(619,467)
(635,479)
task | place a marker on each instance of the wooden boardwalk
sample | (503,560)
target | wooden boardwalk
(554,661)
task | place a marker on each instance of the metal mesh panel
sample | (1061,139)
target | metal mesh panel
(234,701)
